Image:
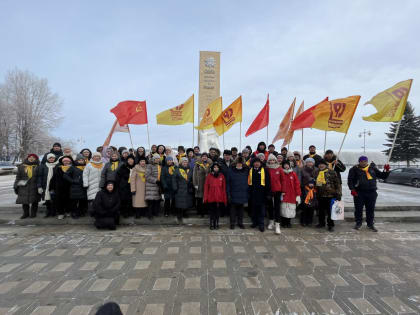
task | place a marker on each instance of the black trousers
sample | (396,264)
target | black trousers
(78,206)
(153,207)
(324,210)
(169,206)
(126,208)
(274,207)
(365,199)
(307,214)
(214,209)
(258,214)
(201,208)
(236,213)
(33,207)
(64,204)
(51,210)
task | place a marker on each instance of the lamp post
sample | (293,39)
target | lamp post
(364,134)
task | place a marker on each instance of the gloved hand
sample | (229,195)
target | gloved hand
(40,190)
(298,199)
(133,193)
(354,193)
(387,168)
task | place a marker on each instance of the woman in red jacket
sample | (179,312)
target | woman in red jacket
(291,194)
(276,176)
(215,194)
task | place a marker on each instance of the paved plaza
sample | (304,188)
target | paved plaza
(192,270)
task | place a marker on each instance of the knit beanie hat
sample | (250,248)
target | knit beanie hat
(169,158)
(156,156)
(363,158)
(309,160)
(183,159)
(260,155)
(271,157)
(290,154)
(50,155)
(79,157)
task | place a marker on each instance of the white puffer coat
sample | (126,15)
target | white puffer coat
(91,179)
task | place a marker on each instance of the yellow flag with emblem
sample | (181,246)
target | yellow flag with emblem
(212,111)
(390,103)
(178,115)
(230,116)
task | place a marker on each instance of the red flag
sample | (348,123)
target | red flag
(131,112)
(262,119)
(306,119)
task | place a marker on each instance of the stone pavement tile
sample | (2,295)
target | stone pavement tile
(100,285)
(69,286)
(36,287)
(115,265)
(192,283)
(127,251)
(390,277)
(36,267)
(215,238)
(364,261)
(293,262)
(387,260)
(194,264)
(337,280)
(226,308)
(43,310)
(195,250)
(82,251)
(296,307)
(309,281)
(261,307)
(281,248)
(154,309)
(9,310)
(216,250)
(61,267)
(251,282)
(322,248)
(10,253)
(317,262)
(280,282)
(244,263)
(221,283)
(235,239)
(410,260)
(219,263)
(142,265)
(397,305)
(269,263)
(162,284)
(196,239)
(81,310)
(9,267)
(104,251)
(168,264)
(89,266)
(150,251)
(364,306)
(341,261)
(260,249)
(34,252)
(5,287)
(131,284)
(190,308)
(116,239)
(173,250)
(364,279)
(329,306)
(57,252)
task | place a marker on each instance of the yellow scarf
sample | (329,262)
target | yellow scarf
(29,170)
(87,161)
(312,155)
(180,156)
(183,173)
(309,195)
(142,176)
(366,170)
(65,168)
(114,165)
(97,165)
(81,167)
(320,180)
(159,171)
(248,163)
(330,165)
(171,170)
(205,166)
(162,156)
(262,177)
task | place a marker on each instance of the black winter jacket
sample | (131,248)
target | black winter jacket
(74,177)
(106,204)
(357,179)
(237,185)
(257,192)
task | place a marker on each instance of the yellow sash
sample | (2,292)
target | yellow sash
(262,177)
(183,173)
(81,167)
(171,170)
(29,170)
(142,176)
(320,180)
(114,165)
(330,166)
(97,165)
(159,171)
(366,170)
(65,168)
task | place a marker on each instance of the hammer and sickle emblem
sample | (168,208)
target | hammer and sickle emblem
(139,108)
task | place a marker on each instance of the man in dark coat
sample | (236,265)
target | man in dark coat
(237,191)
(362,183)
(334,164)
(259,191)
(261,148)
(183,188)
(312,154)
(60,187)
(272,150)
(106,207)
(78,194)
(56,150)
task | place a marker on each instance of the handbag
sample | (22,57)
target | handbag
(337,210)
(288,210)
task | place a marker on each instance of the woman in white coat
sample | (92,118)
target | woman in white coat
(92,176)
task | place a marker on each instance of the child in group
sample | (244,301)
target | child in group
(309,203)
(215,194)
(276,177)
(291,195)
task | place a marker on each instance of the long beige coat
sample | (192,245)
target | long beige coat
(139,186)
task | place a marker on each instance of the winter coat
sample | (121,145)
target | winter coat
(316,157)
(339,168)
(257,192)
(199,177)
(183,189)
(191,164)
(25,187)
(332,188)
(276,175)
(138,185)
(290,187)
(122,182)
(91,179)
(237,185)
(44,176)
(215,189)
(108,174)
(105,206)
(357,179)
(152,176)
(166,181)
(74,176)
(56,153)
(308,174)
(59,185)
(224,167)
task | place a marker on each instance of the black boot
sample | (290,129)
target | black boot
(138,213)
(211,224)
(216,224)
(34,210)
(25,212)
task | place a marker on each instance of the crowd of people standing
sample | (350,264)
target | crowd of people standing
(111,182)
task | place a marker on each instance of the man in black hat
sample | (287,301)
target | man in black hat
(334,164)
(312,154)
(56,150)
(272,150)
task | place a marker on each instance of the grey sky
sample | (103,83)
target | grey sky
(97,53)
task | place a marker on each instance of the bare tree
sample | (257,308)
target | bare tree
(34,110)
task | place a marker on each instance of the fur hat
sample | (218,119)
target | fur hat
(50,155)
(125,151)
(33,155)
(290,154)
(181,147)
(227,152)
(309,160)
(97,154)
(271,157)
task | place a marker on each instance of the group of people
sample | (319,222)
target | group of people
(112,182)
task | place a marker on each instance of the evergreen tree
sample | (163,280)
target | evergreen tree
(407,144)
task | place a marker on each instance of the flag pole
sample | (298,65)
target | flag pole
(193,123)
(267,135)
(302,144)
(240,136)
(341,146)
(325,141)
(131,140)
(393,142)
(148,136)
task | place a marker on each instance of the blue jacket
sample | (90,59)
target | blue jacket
(237,185)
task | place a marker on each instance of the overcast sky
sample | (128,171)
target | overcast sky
(97,53)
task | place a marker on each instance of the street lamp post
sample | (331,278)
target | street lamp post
(364,134)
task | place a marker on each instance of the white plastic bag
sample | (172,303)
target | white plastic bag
(337,210)
(288,210)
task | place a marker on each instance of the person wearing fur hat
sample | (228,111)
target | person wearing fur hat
(138,187)
(78,195)
(123,155)
(272,150)
(276,177)
(234,151)
(309,203)
(122,180)
(334,164)
(170,152)
(56,150)
(261,148)
(313,154)
(215,194)
(201,170)
(25,186)
(237,191)
(183,188)
(168,172)
(153,186)
(106,207)
(308,172)
(280,160)
(92,176)
(140,153)
(87,155)
(45,173)
(214,155)
(328,187)
(259,192)
(60,187)
(110,170)
(290,195)
(298,159)
(362,184)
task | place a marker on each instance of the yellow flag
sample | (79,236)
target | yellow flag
(390,103)
(212,111)
(177,115)
(230,116)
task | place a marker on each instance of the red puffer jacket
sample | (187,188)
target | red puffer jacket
(215,189)
(276,177)
(291,187)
